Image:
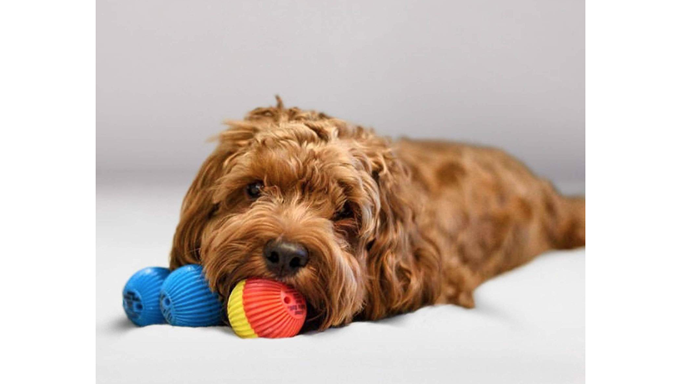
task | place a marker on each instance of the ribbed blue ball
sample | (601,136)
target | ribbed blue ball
(186,299)
(140,296)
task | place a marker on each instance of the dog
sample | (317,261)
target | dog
(364,227)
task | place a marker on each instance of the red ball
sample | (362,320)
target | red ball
(266,308)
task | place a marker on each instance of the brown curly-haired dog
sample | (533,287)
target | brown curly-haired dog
(363,227)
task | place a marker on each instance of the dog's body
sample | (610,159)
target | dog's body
(363,227)
(487,212)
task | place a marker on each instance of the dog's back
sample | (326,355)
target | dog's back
(486,212)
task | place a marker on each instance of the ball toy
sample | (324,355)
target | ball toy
(186,300)
(140,296)
(265,308)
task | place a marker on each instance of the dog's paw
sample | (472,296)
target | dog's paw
(461,298)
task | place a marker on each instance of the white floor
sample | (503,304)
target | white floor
(528,327)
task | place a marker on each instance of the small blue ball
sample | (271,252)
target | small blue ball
(186,299)
(140,296)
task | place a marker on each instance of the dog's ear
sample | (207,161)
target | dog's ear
(198,206)
(401,262)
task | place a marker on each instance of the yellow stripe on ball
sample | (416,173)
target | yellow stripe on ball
(237,314)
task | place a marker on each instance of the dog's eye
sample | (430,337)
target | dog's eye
(344,213)
(254,190)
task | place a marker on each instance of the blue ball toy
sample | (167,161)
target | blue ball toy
(186,300)
(140,296)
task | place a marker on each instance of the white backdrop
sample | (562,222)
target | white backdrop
(528,326)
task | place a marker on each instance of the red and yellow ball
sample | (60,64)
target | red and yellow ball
(265,308)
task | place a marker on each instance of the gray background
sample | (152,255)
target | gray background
(496,72)
(504,73)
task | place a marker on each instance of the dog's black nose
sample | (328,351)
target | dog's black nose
(284,258)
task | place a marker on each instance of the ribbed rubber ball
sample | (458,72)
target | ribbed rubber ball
(140,296)
(266,308)
(186,299)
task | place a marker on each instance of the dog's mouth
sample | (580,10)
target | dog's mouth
(225,273)
(313,321)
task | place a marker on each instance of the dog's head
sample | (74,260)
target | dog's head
(311,201)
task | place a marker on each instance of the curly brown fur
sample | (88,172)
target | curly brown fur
(389,226)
